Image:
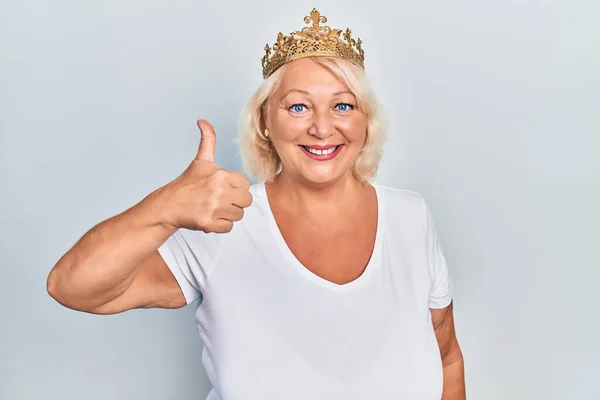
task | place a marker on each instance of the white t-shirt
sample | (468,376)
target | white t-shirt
(274,330)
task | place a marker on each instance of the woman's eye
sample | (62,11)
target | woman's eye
(298,108)
(343,107)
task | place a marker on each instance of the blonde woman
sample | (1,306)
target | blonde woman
(314,283)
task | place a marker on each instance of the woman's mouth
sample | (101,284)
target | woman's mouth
(321,153)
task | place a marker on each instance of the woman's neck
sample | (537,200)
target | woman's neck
(334,197)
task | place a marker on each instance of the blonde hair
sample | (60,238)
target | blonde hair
(259,157)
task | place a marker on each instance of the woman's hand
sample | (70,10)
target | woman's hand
(206,197)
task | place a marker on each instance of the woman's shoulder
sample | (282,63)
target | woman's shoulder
(402,208)
(400,196)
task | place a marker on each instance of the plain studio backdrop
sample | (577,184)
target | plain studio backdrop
(494,117)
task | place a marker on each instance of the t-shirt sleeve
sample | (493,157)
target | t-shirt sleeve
(191,256)
(441,281)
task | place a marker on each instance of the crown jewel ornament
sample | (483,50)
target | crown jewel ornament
(312,41)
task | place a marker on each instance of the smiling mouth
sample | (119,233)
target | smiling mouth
(321,152)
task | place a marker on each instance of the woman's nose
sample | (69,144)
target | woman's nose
(322,126)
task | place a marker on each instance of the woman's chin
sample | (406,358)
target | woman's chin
(322,176)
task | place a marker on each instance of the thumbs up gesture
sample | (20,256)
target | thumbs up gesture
(206,197)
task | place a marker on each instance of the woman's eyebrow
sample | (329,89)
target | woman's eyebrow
(308,93)
(296,90)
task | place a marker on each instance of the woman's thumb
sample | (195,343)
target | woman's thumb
(208,141)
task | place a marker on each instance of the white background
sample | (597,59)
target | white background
(494,117)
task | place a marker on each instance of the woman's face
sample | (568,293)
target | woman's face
(315,124)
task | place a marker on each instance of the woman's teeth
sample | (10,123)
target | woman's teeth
(321,152)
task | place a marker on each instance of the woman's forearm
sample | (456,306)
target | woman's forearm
(454,379)
(104,262)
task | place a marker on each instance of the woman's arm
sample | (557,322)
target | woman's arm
(452,359)
(115,267)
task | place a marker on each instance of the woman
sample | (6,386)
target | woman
(314,283)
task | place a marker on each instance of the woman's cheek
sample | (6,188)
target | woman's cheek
(353,128)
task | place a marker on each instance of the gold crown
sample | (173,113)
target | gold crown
(312,41)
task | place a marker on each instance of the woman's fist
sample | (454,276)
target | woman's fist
(206,197)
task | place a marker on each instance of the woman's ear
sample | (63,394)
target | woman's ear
(264,118)
(264,131)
